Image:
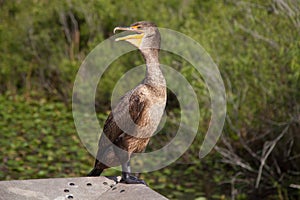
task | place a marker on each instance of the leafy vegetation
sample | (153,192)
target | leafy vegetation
(38,140)
(255,44)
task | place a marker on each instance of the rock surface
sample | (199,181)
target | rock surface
(83,188)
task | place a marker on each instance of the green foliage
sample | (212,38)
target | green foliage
(255,44)
(39,140)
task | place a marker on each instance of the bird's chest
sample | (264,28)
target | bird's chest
(155,109)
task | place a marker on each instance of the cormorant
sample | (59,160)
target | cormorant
(144,105)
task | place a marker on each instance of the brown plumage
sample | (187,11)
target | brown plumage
(135,118)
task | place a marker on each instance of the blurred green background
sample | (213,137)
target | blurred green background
(256,45)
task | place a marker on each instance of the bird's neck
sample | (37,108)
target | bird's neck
(154,75)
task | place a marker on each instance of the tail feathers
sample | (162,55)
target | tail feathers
(95,172)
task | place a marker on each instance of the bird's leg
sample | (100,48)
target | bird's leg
(127,177)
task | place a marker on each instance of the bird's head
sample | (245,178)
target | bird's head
(145,35)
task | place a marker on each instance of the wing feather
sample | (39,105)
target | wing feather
(136,103)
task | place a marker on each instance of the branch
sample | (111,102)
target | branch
(291,11)
(267,149)
(258,36)
(64,22)
(295,186)
(232,158)
(233,190)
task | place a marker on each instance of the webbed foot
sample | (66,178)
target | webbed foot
(129,179)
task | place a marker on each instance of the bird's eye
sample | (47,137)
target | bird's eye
(138,27)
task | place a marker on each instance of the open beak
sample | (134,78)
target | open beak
(138,36)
